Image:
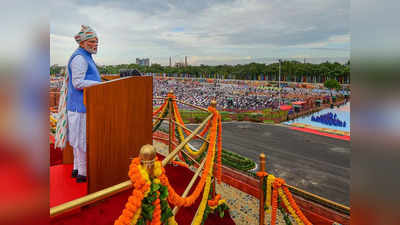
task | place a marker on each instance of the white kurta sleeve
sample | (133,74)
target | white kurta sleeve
(79,67)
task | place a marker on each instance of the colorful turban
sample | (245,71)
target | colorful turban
(85,33)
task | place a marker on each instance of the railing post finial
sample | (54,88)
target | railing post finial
(213,103)
(262,162)
(171,117)
(262,197)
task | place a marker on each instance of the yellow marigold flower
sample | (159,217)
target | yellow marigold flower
(156,181)
(289,207)
(213,207)
(136,216)
(270,180)
(157,169)
(144,173)
(172,221)
(200,211)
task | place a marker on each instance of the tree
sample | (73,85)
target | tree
(291,70)
(55,69)
(332,84)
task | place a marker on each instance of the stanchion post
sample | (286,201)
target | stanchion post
(213,104)
(262,197)
(171,132)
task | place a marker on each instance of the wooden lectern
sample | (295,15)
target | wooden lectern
(118,123)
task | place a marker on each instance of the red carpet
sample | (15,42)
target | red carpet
(23,187)
(18,185)
(55,155)
(63,188)
(308,130)
(106,211)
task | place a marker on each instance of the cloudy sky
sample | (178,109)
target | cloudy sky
(207,31)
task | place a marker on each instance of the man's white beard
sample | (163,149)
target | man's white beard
(91,51)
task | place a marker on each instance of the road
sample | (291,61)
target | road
(317,164)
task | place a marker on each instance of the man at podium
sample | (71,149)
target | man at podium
(82,73)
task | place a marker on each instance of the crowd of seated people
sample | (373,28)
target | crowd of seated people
(232,96)
(330,119)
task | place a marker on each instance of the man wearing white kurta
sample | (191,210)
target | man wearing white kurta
(82,73)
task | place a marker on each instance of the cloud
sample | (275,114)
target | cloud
(178,29)
(214,29)
(151,7)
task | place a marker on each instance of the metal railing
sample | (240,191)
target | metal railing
(299,192)
(93,197)
(107,192)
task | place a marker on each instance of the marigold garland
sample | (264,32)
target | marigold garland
(180,152)
(203,204)
(219,157)
(261,174)
(295,207)
(180,120)
(280,191)
(141,182)
(181,158)
(171,221)
(192,152)
(141,188)
(270,180)
(219,146)
(156,220)
(162,114)
(289,207)
(183,164)
(132,210)
(161,108)
(157,169)
(205,180)
(204,131)
(274,205)
(220,202)
(177,200)
(214,201)
(136,216)
(173,136)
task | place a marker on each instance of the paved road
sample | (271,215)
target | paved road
(318,164)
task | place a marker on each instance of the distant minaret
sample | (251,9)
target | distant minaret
(170,63)
(185,60)
(304,60)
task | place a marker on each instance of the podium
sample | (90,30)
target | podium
(118,123)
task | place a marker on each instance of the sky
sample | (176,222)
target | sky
(208,32)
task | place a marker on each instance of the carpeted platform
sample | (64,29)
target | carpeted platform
(106,211)
(63,188)
(56,155)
